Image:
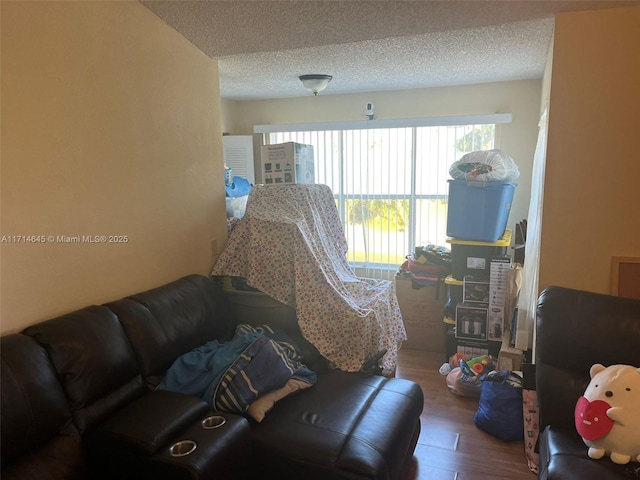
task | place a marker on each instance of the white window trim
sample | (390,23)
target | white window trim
(387,123)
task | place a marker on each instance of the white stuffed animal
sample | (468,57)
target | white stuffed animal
(607,416)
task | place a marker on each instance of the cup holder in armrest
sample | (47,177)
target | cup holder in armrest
(182,448)
(213,421)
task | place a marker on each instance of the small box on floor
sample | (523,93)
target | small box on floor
(469,350)
(509,358)
(469,347)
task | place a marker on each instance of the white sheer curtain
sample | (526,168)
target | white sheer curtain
(527,302)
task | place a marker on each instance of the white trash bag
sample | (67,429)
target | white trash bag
(485,166)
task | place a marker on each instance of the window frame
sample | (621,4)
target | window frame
(386,269)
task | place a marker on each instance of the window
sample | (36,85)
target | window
(389,181)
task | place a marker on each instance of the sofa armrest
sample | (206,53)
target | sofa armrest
(38,438)
(149,423)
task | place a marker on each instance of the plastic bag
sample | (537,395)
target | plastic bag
(500,408)
(485,166)
(463,385)
(239,187)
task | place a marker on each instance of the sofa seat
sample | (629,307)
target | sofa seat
(563,451)
(349,425)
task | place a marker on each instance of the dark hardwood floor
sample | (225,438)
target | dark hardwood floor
(450,446)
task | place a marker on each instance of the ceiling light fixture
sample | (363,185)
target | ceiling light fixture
(315,82)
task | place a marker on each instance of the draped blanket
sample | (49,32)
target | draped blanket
(230,376)
(290,244)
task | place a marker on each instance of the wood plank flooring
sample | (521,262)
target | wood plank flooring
(450,446)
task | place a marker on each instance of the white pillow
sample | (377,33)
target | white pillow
(262,405)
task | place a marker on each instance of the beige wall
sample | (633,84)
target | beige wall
(110,126)
(518,139)
(592,187)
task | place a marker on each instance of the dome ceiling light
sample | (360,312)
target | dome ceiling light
(315,83)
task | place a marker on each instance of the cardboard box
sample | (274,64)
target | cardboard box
(495,327)
(471,321)
(476,290)
(469,350)
(422,313)
(287,163)
(500,268)
(509,358)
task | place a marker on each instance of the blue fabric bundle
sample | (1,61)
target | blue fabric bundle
(230,376)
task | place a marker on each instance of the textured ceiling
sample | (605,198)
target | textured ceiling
(264,45)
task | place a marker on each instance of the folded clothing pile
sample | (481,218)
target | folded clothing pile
(428,265)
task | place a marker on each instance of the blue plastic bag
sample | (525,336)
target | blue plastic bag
(239,187)
(500,408)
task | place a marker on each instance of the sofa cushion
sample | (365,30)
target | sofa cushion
(563,455)
(94,362)
(348,425)
(38,437)
(263,405)
(169,321)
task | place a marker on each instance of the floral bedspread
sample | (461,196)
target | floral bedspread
(290,244)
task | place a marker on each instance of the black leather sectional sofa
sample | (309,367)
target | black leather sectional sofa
(79,401)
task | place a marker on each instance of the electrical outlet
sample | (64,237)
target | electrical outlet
(214,247)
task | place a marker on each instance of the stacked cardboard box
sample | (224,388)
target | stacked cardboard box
(422,312)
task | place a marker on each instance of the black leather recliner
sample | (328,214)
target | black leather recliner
(576,329)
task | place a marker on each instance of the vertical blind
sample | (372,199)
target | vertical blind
(389,182)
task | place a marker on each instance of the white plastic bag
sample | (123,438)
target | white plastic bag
(485,166)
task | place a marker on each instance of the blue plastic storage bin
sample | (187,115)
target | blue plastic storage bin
(478,210)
